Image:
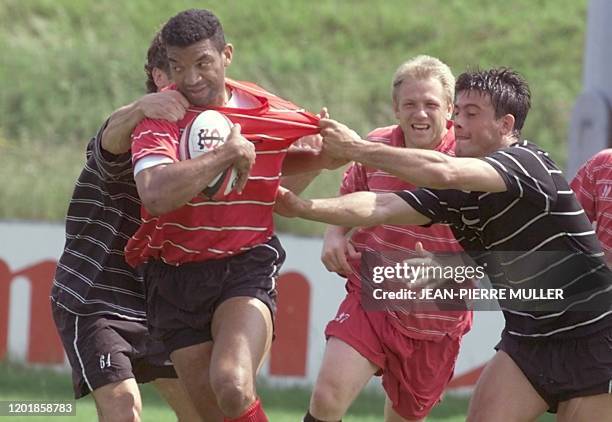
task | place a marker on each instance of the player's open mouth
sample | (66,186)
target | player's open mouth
(196,91)
(420,126)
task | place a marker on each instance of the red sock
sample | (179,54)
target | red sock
(254,413)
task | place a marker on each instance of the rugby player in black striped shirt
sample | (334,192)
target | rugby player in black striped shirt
(509,207)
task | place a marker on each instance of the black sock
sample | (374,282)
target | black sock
(310,418)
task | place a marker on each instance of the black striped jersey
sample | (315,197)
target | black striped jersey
(533,236)
(92,276)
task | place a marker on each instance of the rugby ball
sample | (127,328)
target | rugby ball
(209,130)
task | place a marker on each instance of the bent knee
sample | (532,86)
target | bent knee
(329,398)
(123,408)
(234,391)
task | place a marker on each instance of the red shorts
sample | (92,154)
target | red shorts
(414,372)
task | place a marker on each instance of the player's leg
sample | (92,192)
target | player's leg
(119,401)
(101,365)
(343,374)
(154,365)
(353,354)
(504,393)
(242,329)
(192,364)
(588,397)
(585,409)
(392,416)
(180,301)
(416,372)
(177,398)
(149,361)
(242,333)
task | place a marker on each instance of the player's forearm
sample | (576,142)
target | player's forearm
(116,136)
(166,188)
(356,209)
(421,168)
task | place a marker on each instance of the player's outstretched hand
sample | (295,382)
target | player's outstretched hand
(336,249)
(245,156)
(169,105)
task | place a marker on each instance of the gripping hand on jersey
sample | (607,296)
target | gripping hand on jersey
(167,105)
(244,156)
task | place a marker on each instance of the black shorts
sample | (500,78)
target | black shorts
(562,369)
(181,300)
(103,349)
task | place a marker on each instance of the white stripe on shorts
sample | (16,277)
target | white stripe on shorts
(274,267)
(76,350)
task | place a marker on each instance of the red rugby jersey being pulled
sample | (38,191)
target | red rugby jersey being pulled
(593,188)
(204,229)
(392,238)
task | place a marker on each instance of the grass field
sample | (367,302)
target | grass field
(68,63)
(286,405)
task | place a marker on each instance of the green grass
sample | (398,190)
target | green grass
(38,179)
(282,405)
(68,63)
(17,382)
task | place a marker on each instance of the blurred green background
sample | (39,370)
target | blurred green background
(19,383)
(67,64)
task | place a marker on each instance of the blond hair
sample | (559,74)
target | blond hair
(424,67)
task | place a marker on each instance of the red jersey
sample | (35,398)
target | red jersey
(593,188)
(437,238)
(203,229)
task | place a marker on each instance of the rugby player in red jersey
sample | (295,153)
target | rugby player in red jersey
(593,188)
(415,352)
(211,266)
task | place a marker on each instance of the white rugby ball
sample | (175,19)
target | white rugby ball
(209,130)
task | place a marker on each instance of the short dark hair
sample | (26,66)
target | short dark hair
(156,57)
(508,90)
(192,26)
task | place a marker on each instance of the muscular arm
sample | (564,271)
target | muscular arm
(423,168)
(168,105)
(166,187)
(431,169)
(116,136)
(352,210)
